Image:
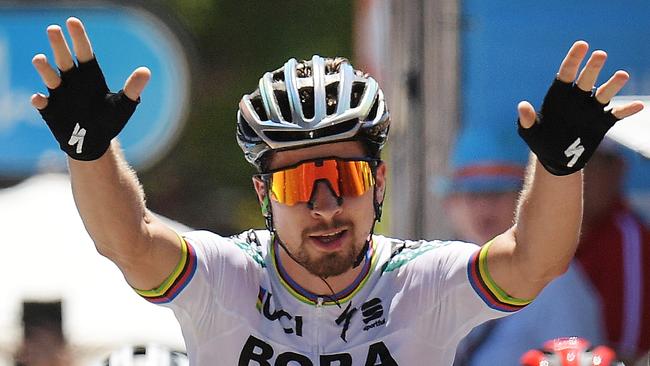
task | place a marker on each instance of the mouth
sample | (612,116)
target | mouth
(329,241)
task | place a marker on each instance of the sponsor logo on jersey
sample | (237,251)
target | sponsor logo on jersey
(372,312)
(344,320)
(291,324)
(257,352)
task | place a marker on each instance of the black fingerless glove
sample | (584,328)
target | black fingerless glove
(82,113)
(569,128)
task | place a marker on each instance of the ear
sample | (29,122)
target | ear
(260,189)
(262,197)
(380,181)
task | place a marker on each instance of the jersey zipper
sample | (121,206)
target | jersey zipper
(319,309)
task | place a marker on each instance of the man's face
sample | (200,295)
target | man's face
(327,237)
(479,217)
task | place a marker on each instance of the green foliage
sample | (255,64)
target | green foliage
(205,181)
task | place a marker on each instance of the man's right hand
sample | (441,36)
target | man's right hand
(82,113)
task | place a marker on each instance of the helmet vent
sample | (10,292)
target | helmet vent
(246,132)
(304,70)
(284,136)
(283,102)
(334,66)
(373,111)
(278,75)
(357,92)
(331,93)
(307,101)
(259,107)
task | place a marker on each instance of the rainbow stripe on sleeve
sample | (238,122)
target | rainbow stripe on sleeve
(177,280)
(486,288)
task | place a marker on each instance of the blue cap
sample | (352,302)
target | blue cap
(487,160)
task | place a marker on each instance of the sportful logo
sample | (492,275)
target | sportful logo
(290,324)
(371,311)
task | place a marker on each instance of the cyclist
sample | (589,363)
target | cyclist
(318,287)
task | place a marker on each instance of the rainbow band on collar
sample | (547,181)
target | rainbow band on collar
(343,296)
(486,288)
(177,280)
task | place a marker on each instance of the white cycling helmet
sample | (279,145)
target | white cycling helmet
(146,355)
(306,103)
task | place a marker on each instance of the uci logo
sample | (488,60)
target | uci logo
(290,324)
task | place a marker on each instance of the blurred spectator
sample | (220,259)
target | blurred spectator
(481,197)
(615,253)
(43,341)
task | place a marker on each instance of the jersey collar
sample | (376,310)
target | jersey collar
(311,298)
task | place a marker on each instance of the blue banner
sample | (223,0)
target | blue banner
(123,39)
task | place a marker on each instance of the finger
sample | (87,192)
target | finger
(611,87)
(136,82)
(49,76)
(80,42)
(627,110)
(39,101)
(62,56)
(526,114)
(571,63)
(589,74)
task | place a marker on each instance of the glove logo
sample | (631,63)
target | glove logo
(77,138)
(574,152)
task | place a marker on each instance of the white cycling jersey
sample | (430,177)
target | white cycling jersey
(410,305)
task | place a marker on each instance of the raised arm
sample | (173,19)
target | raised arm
(84,116)
(571,124)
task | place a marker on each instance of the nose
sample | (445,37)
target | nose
(324,203)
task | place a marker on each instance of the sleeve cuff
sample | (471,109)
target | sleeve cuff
(177,280)
(486,288)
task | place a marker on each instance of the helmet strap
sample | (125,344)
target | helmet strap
(378,209)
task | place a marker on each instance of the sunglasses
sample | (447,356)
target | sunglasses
(345,177)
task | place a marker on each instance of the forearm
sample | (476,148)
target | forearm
(541,243)
(110,201)
(547,223)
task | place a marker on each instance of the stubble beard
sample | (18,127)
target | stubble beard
(328,265)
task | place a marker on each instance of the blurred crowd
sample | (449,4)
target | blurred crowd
(603,297)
